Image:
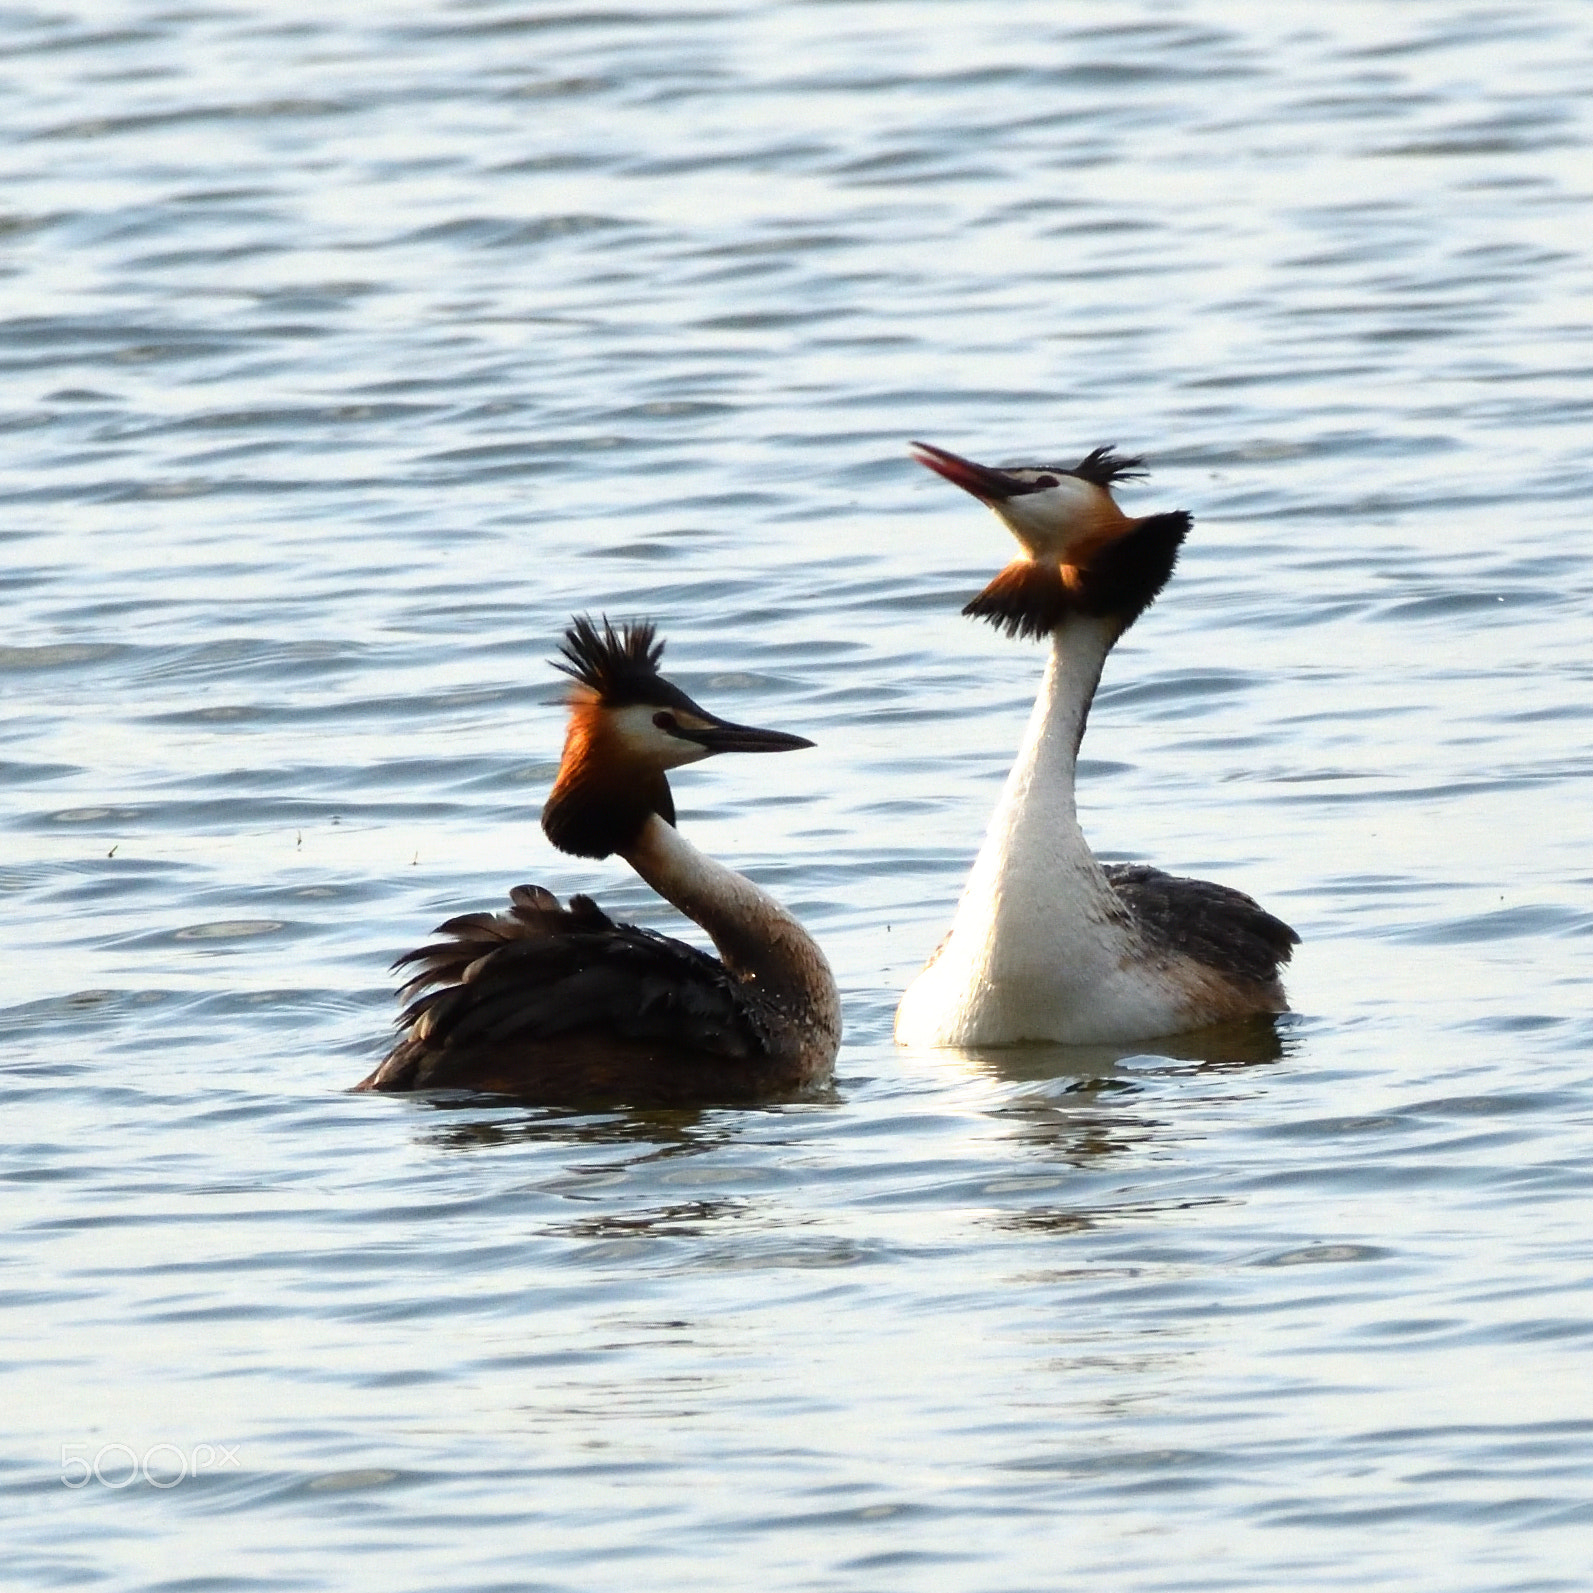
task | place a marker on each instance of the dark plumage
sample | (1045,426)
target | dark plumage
(620,666)
(1103,467)
(559,1004)
(1123,579)
(1214,925)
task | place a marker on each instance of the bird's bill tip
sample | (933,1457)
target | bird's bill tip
(721,736)
(990,486)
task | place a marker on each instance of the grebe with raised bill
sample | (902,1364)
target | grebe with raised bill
(561,1005)
(1047,943)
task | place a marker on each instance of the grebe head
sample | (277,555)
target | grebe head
(1053,510)
(1082,554)
(628,726)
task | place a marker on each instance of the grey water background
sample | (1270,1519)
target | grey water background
(345,356)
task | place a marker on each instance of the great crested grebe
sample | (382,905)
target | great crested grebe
(1047,944)
(563,1005)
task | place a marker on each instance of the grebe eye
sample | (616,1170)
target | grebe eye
(666,721)
(1045,481)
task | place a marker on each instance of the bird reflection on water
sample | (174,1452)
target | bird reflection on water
(1220,1047)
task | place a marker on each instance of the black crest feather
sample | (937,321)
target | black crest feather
(1102,467)
(620,666)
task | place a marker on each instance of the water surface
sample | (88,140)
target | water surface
(345,359)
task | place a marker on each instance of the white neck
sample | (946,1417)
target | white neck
(755,936)
(1048,758)
(1039,943)
(1034,848)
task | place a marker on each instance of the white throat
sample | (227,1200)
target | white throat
(1041,948)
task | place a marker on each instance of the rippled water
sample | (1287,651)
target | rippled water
(345,359)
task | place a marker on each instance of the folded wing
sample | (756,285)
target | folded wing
(540,983)
(1214,925)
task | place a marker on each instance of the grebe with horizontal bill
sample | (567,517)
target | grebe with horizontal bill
(562,1005)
